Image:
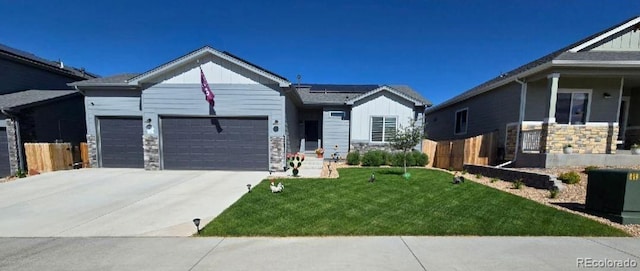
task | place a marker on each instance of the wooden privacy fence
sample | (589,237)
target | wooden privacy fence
(46,157)
(479,150)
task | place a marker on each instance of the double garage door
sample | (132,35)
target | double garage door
(189,143)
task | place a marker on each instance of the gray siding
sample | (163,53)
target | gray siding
(602,110)
(488,112)
(335,131)
(17,76)
(230,100)
(110,103)
(292,131)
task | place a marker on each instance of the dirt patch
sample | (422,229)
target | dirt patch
(571,199)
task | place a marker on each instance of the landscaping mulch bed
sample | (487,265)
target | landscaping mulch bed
(571,199)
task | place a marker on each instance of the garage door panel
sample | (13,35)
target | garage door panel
(5,169)
(195,143)
(121,142)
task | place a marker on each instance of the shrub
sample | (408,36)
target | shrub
(493,180)
(421,159)
(414,158)
(517,184)
(375,158)
(478,176)
(571,177)
(21,173)
(589,168)
(353,158)
(553,193)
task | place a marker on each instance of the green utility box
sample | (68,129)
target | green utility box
(615,193)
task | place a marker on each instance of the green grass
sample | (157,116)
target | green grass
(427,204)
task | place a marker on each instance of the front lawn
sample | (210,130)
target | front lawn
(427,204)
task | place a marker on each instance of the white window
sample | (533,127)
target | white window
(572,106)
(461,121)
(382,128)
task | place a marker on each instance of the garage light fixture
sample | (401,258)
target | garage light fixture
(196,221)
(148,121)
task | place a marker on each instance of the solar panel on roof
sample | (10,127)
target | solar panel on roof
(342,88)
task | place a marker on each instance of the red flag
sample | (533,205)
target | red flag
(208,94)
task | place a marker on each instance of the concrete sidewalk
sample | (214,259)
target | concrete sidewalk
(318,253)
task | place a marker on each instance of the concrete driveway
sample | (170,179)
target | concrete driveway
(117,202)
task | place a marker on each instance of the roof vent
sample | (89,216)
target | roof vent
(61,64)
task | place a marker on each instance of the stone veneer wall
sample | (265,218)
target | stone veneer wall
(277,154)
(583,138)
(364,147)
(151,146)
(14,163)
(510,141)
(92,146)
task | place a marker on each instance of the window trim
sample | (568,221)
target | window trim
(384,118)
(455,121)
(589,93)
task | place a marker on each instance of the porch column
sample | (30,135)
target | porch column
(553,88)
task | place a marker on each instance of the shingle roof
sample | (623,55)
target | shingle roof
(114,80)
(600,56)
(328,94)
(26,56)
(508,76)
(30,97)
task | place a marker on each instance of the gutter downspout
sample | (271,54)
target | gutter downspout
(523,98)
(18,138)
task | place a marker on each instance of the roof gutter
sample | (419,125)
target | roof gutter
(18,138)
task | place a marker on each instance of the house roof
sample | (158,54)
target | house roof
(20,55)
(26,98)
(329,94)
(560,57)
(114,80)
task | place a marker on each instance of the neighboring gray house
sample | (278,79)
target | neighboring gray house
(36,105)
(585,95)
(160,119)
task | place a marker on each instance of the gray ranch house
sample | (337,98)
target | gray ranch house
(585,95)
(36,105)
(160,119)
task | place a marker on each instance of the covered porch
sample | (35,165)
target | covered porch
(595,112)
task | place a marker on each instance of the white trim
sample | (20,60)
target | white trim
(384,88)
(530,122)
(625,121)
(596,124)
(605,35)
(466,122)
(596,63)
(384,118)
(578,90)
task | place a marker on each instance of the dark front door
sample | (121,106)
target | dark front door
(215,143)
(4,154)
(311,135)
(121,142)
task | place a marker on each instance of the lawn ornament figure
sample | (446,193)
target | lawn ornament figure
(276,188)
(457,179)
(372,178)
(295,162)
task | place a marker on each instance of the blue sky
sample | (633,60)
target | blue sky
(440,48)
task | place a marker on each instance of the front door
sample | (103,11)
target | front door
(311,135)
(623,116)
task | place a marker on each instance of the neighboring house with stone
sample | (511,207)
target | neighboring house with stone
(586,94)
(160,119)
(36,105)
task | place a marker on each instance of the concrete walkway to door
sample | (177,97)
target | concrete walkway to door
(118,202)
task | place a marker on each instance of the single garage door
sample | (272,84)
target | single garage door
(215,143)
(5,169)
(121,142)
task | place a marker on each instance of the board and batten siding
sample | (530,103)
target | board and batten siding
(237,93)
(110,103)
(335,131)
(627,41)
(486,113)
(380,104)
